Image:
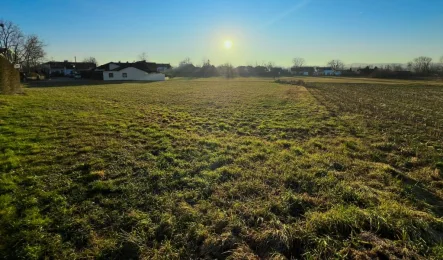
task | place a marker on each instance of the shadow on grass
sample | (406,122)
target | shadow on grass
(414,190)
(67,82)
(418,192)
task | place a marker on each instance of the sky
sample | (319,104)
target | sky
(354,31)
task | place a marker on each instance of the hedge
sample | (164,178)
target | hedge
(9,78)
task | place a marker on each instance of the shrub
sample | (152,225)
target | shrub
(292,82)
(9,78)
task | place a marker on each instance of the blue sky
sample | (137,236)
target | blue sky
(355,31)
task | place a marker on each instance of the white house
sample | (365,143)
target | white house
(303,71)
(327,71)
(131,73)
(141,70)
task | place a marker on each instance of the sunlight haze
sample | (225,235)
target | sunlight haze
(318,30)
(228,44)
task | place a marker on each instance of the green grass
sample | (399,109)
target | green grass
(241,168)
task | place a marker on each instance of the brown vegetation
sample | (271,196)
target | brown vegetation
(9,78)
(298,82)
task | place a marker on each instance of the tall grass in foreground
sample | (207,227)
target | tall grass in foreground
(222,169)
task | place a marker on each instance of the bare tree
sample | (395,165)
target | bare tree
(143,56)
(410,65)
(11,39)
(226,70)
(298,62)
(33,51)
(186,61)
(336,64)
(397,67)
(434,68)
(206,62)
(18,48)
(422,64)
(270,65)
(91,60)
(393,67)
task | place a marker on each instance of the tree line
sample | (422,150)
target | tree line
(28,51)
(420,67)
(334,64)
(186,68)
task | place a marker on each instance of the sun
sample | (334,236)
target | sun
(228,44)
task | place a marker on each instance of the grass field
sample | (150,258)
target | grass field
(238,169)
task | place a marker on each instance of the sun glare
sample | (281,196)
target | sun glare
(228,44)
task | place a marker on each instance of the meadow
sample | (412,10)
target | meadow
(223,169)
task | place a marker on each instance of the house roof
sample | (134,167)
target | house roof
(164,65)
(141,65)
(71,65)
(107,65)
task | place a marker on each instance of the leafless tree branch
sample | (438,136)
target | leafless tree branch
(298,62)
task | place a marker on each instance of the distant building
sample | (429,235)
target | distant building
(303,71)
(141,70)
(327,71)
(66,68)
